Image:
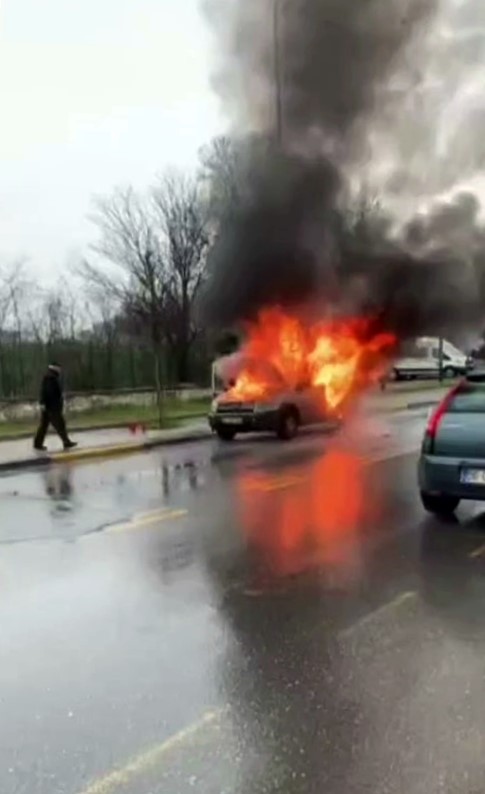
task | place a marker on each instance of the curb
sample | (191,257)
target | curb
(22,434)
(411,406)
(24,463)
(422,404)
(96,453)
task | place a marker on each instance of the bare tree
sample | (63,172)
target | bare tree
(4,313)
(152,253)
(221,167)
(129,242)
(4,299)
(228,165)
(15,287)
(104,332)
(182,217)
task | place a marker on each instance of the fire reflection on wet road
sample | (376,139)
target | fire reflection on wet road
(251,618)
(315,520)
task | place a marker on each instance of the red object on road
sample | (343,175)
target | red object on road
(137,427)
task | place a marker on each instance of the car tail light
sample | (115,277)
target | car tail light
(434,420)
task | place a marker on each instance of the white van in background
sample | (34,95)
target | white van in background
(422,360)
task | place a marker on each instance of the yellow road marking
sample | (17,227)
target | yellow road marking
(160,511)
(380,457)
(141,764)
(397,602)
(279,483)
(478,552)
(287,482)
(273,484)
(81,455)
(123,776)
(147,520)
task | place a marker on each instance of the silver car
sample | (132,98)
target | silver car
(452,461)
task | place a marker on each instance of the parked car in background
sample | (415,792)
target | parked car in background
(422,360)
(476,355)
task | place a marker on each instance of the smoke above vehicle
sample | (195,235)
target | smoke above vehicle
(347,184)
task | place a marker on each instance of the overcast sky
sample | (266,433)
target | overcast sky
(94,93)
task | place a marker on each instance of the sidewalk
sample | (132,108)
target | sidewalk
(398,398)
(18,454)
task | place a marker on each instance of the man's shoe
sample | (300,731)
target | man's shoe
(40,449)
(70,445)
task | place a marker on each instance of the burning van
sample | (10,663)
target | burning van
(290,373)
(252,396)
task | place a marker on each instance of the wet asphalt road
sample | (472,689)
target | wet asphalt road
(255,617)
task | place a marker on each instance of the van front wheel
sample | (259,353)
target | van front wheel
(288,424)
(226,433)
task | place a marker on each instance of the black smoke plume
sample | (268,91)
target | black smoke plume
(290,228)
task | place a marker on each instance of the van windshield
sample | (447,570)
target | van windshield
(411,349)
(436,354)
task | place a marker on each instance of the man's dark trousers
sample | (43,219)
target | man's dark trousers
(56,419)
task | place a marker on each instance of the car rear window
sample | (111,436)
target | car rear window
(469,399)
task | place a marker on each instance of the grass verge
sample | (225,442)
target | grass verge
(175,413)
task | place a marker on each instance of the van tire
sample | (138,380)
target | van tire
(226,433)
(449,373)
(288,424)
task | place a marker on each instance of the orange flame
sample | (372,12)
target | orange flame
(339,356)
(248,387)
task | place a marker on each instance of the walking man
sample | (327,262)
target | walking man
(52,409)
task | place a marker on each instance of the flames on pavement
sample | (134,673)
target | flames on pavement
(341,356)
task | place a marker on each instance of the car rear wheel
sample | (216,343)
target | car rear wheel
(226,433)
(439,505)
(288,425)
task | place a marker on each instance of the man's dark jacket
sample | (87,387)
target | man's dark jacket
(51,393)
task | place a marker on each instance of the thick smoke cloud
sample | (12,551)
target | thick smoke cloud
(292,231)
(433,141)
(274,243)
(337,59)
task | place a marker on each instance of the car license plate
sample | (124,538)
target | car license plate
(233,420)
(472,476)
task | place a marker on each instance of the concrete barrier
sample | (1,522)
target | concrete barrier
(12,410)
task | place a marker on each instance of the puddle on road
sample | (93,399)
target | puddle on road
(65,502)
(69,501)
